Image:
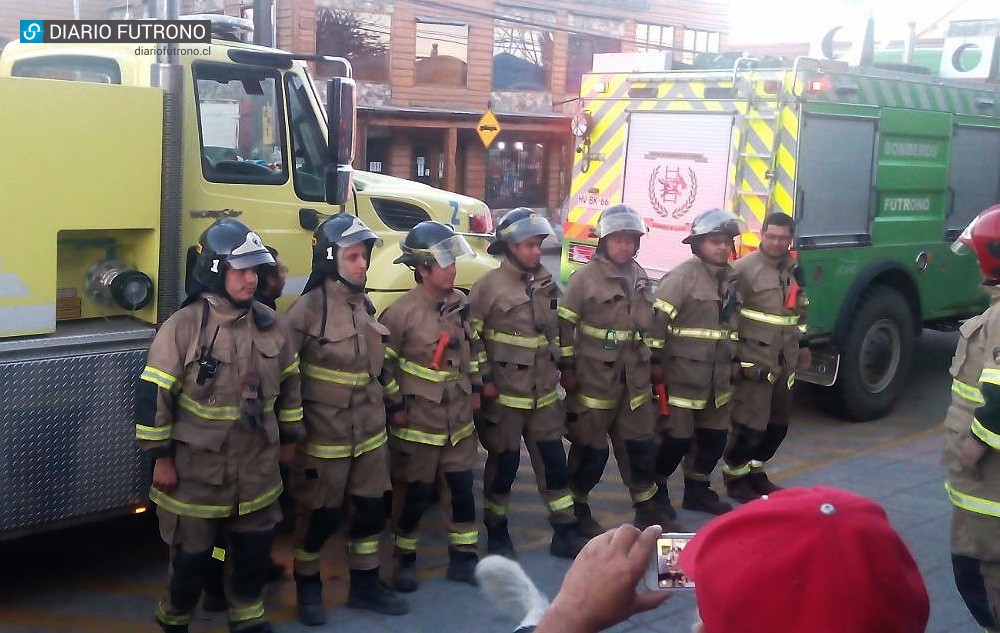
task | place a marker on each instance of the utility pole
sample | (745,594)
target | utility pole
(263,25)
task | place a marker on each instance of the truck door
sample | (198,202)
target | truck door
(834,181)
(676,166)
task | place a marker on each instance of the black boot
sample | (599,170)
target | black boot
(700,497)
(367,592)
(741,489)
(761,484)
(404,577)
(309,597)
(462,566)
(651,512)
(498,537)
(586,524)
(566,540)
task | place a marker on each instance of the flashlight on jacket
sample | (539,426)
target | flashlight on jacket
(442,345)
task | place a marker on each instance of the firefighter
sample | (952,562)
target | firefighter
(341,469)
(972,444)
(605,317)
(218,403)
(432,355)
(771,347)
(696,307)
(514,313)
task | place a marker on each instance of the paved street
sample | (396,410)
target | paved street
(106,578)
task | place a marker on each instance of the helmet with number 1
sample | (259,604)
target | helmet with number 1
(982,237)
(516,226)
(228,243)
(337,232)
(620,217)
(432,242)
(715,221)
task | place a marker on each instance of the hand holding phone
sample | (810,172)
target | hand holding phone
(663,572)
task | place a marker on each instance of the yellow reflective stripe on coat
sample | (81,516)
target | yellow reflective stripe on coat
(686,403)
(291,370)
(264,500)
(967,391)
(529,342)
(463,538)
(791,380)
(477,324)
(291,415)
(159,378)
(474,365)
(349,378)
(978,505)
(242,614)
(206,411)
(596,403)
(420,437)
(702,333)
(639,400)
(607,333)
(567,350)
(304,556)
(655,343)
(153,433)
(771,319)
(427,373)
(340,451)
(569,315)
(562,503)
(722,399)
(367,546)
(992,439)
(518,402)
(665,307)
(990,375)
(390,353)
(392,387)
(463,433)
(196,510)
(404,542)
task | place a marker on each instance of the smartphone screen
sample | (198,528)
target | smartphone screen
(664,572)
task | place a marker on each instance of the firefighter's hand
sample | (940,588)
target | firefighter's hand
(399,418)
(476,400)
(490,391)
(599,589)
(805,359)
(165,474)
(656,375)
(568,380)
(970,453)
(286,453)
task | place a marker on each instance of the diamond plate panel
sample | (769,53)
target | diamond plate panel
(67,438)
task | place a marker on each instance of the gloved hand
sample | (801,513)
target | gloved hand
(970,452)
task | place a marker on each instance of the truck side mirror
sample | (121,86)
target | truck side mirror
(341,115)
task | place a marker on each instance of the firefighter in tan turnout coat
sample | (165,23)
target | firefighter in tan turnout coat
(972,444)
(514,311)
(433,356)
(342,467)
(697,311)
(218,401)
(605,317)
(772,326)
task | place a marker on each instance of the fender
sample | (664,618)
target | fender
(895,275)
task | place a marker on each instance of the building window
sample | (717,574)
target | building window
(653,37)
(697,41)
(363,38)
(442,53)
(522,58)
(580,60)
(515,173)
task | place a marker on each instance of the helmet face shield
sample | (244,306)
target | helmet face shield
(249,254)
(717,221)
(615,222)
(447,251)
(357,232)
(524,228)
(963,245)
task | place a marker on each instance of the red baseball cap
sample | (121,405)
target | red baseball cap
(816,560)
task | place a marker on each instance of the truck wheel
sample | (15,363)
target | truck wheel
(875,361)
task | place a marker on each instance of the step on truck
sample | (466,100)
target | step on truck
(882,169)
(114,162)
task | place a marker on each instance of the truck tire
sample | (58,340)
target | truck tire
(876,357)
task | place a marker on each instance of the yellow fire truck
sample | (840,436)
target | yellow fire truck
(881,169)
(113,163)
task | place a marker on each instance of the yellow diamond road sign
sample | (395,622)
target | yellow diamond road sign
(488,127)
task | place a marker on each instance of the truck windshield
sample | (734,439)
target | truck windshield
(309,149)
(241,124)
